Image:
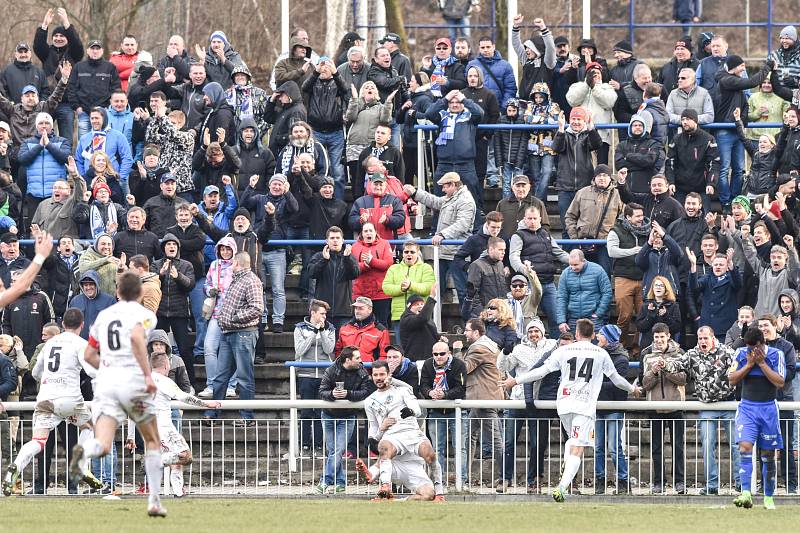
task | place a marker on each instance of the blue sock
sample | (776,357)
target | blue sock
(768,472)
(746,469)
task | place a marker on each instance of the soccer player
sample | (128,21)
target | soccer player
(118,348)
(761,370)
(582,366)
(58,369)
(394,432)
(175,452)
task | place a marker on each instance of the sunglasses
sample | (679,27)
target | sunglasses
(409,252)
(517,286)
(683,78)
(436,354)
(493,308)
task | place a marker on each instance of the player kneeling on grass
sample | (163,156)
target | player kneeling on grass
(582,366)
(761,370)
(394,433)
(58,369)
(175,452)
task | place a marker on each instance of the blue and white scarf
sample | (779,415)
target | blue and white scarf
(439,65)
(447,127)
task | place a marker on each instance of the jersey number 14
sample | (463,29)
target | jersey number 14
(585,370)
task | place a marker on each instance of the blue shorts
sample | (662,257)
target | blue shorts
(759,422)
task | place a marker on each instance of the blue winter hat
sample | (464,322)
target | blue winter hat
(611,332)
(219,35)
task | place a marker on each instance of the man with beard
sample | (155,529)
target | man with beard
(463,51)
(284,109)
(302,141)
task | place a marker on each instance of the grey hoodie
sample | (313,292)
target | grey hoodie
(177,368)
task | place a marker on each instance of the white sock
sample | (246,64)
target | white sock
(374,470)
(85,435)
(154,472)
(28,451)
(176,479)
(169,458)
(436,474)
(91,449)
(386,471)
(572,464)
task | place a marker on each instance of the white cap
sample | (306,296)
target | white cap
(5,126)
(44,117)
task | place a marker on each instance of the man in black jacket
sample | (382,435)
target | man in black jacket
(189,97)
(21,73)
(160,210)
(136,240)
(26,316)
(335,268)
(90,85)
(418,333)
(389,154)
(254,157)
(486,279)
(386,78)
(59,275)
(400,62)
(692,160)
(285,107)
(682,58)
(659,206)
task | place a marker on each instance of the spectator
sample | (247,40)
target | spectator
(238,318)
(90,85)
(706,366)
(334,268)
(147,83)
(298,66)
(44,157)
(364,331)
(670,74)
(510,146)
(689,95)
(189,96)
(456,214)
(445,71)
(773,276)
(486,279)
(145,178)
(151,284)
(27,316)
(474,247)
(400,62)
(765,106)
(91,300)
(660,307)
(402,368)
(55,214)
(788,142)
(660,256)
(22,73)
(354,71)
(692,160)
(121,119)
(513,208)
(631,95)
(104,139)
(419,100)
(575,169)
(704,45)
(314,341)
(302,182)
(247,100)
(688,231)
(136,240)
(763,156)
(390,156)
(744,321)
(483,383)
(533,249)
(537,55)
(383,210)
(732,86)
(463,51)
(658,205)
(326,211)
(663,377)
(177,58)
(640,154)
(374,257)
(346,379)
(219,123)
(486,100)
(443,377)
(99,258)
(177,280)
(718,291)
(500,325)
(541,156)
(523,298)
(786,58)
(101,215)
(101,171)
(160,210)
(11,258)
(584,291)
(125,58)
(364,112)
(60,273)
(597,98)
(564,73)
(220,59)
(622,72)
(394,187)
(66,46)
(22,116)
(412,276)
(211,164)
(418,332)
(494,67)
(176,147)
(592,214)
(302,141)
(349,40)
(653,105)
(254,157)
(285,107)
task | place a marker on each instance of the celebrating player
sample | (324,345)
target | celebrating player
(582,366)
(175,452)
(761,370)
(58,369)
(394,432)
(118,347)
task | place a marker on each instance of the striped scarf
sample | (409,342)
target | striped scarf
(440,379)
(439,66)
(447,127)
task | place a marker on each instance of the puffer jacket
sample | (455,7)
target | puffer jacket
(669,383)
(376,207)
(575,166)
(539,248)
(709,372)
(357,383)
(502,72)
(44,165)
(91,307)
(583,294)
(698,99)
(511,146)
(334,277)
(369,282)
(326,100)
(106,269)
(762,178)
(313,345)
(283,118)
(456,215)
(599,100)
(422,279)
(371,337)
(788,63)
(483,377)
(462,145)
(220,274)
(582,219)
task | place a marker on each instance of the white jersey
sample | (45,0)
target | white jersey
(112,331)
(388,404)
(583,366)
(167,391)
(58,367)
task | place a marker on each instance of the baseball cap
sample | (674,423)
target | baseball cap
(210,189)
(362,300)
(377,176)
(391,38)
(519,277)
(5,126)
(22,45)
(520,178)
(30,89)
(395,347)
(167,176)
(560,40)
(8,238)
(443,40)
(94,43)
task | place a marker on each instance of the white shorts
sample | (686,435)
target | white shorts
(579,428)
(123,400)
(410,473)
(406,441)
(171,440)
(48,414)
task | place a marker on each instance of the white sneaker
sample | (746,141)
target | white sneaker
(156,510)
(206,393)
(230,393)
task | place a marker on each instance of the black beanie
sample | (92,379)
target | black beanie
(244,213)
(623,46)
(602,169)
(733,61)
(60,29)
(690,114)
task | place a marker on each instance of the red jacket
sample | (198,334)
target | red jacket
(124,64)
(370,336)
(370,282)
(395,187)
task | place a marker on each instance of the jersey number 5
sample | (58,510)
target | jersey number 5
(585,371)
(54,361)
(113,335)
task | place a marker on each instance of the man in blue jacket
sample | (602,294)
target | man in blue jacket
(91,300)
(217,212)
(584,291)
(102,138)
(498,76)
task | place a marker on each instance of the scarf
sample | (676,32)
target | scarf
(640,231)
(240,99)
(447,128)
(98,144)
(519,315)
(440,379)
(439,66)
(287,156)
(96,222)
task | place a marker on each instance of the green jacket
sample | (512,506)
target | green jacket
(422,280)
(777,107)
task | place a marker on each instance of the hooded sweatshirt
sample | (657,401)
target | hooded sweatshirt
(107,140)
(177,368)
(220,274)
(91,307)
(220,115)
(174,301)
(254,158)
(282,117)
(642,155)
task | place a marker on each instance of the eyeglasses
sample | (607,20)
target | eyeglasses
(439,354)
(517,285)
(493,308)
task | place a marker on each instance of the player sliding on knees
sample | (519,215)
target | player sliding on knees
(58,369)
(175,451)
(394,433)
(582,366)
(761,370)
(118,348)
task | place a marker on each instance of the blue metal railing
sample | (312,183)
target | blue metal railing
(311,242)
(615,126)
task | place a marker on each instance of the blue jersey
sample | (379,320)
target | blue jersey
(755,386)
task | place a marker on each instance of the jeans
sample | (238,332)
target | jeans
(509,171)
(492,172)
(210,348)
(549,306)
(484,432)
(731,165)
(608,429)
(515,420)
(275,266)
(196,298)
(564,200)
(236,354)
(709,422)
(65,117)
(445,267)
(600,256)
(310,426)
(334,143)
(540,168)
(440,425)
(457,27)
(84,125)
(68,435)
(305,253)
(337,432)
(796,394)
(105,468)
(395,140)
